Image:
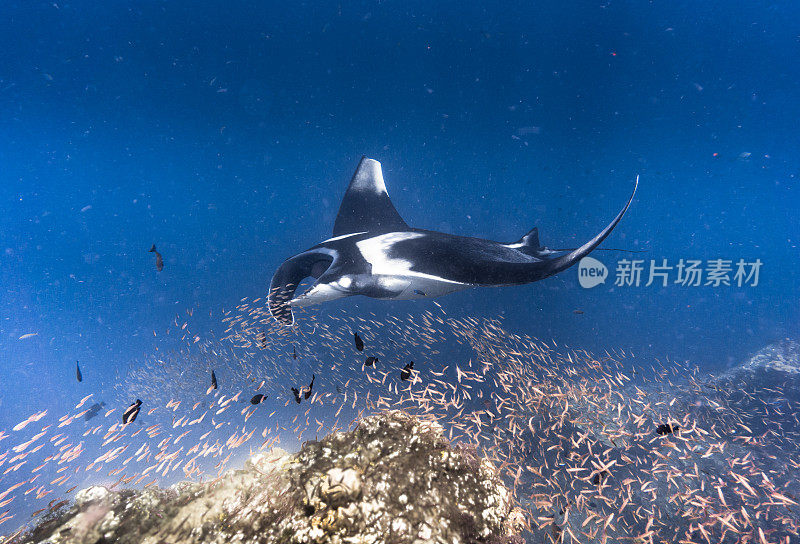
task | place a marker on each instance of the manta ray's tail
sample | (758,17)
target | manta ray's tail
(558,264)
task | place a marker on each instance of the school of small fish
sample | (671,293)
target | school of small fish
(602,444)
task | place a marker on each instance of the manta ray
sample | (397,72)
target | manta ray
(374,253)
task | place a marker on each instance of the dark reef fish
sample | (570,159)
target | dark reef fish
(310,386)
(258,399)
(296,394)
(359,342)
(600,477)
(78,372)
(213,380)
(159,260)
(262,339)
(93,410)
(370,361)
(294,353)
(373,252)
(667,428)
(405,374)
(130,413)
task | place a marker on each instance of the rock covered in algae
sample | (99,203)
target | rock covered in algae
(396,479)
(393,479)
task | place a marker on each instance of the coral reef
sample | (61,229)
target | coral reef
(394,478)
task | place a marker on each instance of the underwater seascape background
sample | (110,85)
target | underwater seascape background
(225,133)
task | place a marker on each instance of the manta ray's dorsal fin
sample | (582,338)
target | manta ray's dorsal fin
(366,206)
(529,243)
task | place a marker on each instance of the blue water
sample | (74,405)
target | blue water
(226,133)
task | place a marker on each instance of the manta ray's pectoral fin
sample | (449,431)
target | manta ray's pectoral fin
(288,277)
(366,206)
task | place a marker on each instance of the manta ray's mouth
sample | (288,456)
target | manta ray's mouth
(300,299)
(288,278)
(317,270)
(318,293)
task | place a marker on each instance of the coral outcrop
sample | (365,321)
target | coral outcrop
(393,479)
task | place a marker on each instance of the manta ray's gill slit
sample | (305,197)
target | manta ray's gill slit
(567,429)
